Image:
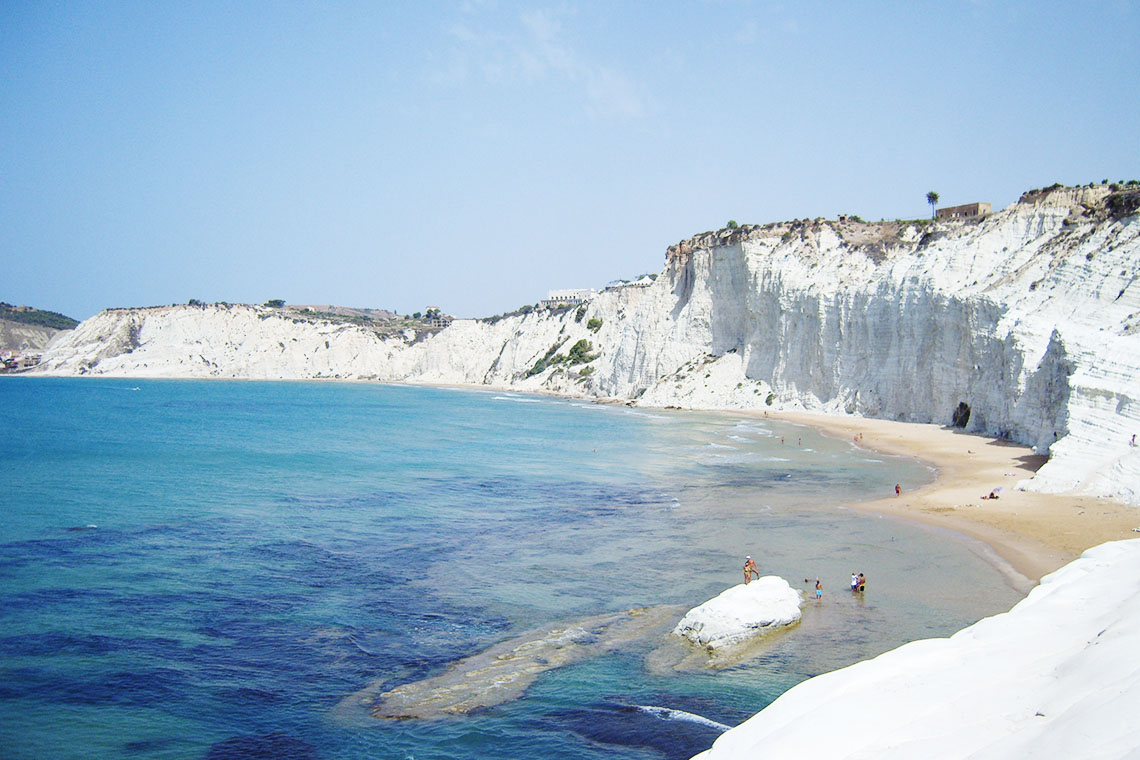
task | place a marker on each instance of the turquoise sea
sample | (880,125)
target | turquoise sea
(209,569)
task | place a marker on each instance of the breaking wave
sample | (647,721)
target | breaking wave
(668,713)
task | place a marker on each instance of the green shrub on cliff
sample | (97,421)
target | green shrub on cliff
(580,353)
(550,358)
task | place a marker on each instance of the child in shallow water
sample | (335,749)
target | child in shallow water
(818,589)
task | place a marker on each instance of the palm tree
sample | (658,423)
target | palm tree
(932,199)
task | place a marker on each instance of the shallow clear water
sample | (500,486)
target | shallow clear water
(208,569)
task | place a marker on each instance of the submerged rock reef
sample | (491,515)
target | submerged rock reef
(1023,324)
(507,669)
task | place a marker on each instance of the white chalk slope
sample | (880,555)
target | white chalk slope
(741,612)
(1058,676)
(1030,317)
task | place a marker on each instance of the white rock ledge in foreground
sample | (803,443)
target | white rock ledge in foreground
(1057,677)
(741,612)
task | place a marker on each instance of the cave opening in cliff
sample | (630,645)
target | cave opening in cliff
(962,414)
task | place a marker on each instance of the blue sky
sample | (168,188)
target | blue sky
(473,155)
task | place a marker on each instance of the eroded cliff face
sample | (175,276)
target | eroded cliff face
(21,337)
(1028,319)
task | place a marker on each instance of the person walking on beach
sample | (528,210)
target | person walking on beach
(818,589)
(749,569)
(898,489)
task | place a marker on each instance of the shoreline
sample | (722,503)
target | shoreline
(1033,533)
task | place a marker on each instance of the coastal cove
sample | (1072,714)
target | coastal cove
(198,565)
(570,381)
(1019,326)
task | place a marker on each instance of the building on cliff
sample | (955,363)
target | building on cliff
(566,297)
(965,211)
(434,317)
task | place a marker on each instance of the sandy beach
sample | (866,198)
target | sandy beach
(1034,533)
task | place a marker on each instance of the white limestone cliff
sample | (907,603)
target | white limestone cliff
(1029,317)
(741,612)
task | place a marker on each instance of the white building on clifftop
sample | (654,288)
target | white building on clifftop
(566,297)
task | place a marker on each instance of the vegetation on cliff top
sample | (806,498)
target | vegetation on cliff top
(38,317)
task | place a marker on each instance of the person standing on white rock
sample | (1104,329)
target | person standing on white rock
(750,569)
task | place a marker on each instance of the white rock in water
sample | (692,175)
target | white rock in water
(741,612)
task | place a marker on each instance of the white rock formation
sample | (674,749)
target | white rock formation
(1029,317)
(1056,677)
(741,613)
